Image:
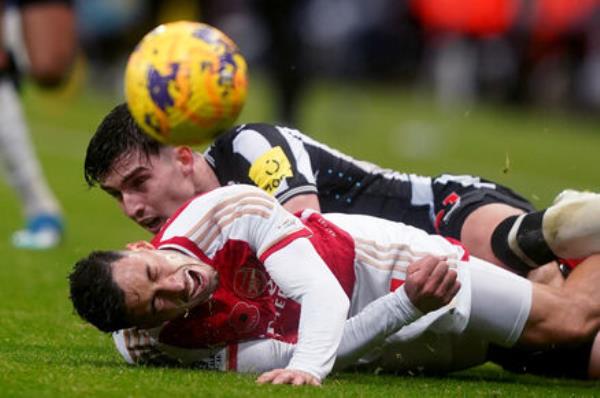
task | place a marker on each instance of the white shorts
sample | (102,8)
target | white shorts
(500,306)
(500,303)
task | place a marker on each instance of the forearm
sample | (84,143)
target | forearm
(302,276)
(362,333)
(369,328)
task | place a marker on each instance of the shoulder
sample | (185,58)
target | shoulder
(257,134)
(209,207)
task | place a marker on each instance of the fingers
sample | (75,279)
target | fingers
(430,283)
(139,245)
(288,376)
(436,277)
(423,266)
(420,270)
(268,377)
(448,287)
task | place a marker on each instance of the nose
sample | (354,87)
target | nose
(132,206)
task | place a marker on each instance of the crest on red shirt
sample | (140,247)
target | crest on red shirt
(249,282)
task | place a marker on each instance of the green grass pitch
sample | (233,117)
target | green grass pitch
(46,351)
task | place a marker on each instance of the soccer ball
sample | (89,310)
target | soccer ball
(185,82)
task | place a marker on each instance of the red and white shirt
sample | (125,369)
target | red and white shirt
(270,262)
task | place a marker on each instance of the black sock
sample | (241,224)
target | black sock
(534,251)
(10,71)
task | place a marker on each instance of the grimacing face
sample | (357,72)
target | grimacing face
(160,285)
(150,190)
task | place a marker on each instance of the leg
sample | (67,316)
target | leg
(477,234)
(531,314)
(50,46)
(477,230)
(594,366)
(23,169)
(571,226)
(570,314)
(570,361)
(471,209)
(501,227)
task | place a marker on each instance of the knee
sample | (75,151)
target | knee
(49,71)
(580,327)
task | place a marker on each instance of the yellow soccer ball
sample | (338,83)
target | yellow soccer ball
(185,83)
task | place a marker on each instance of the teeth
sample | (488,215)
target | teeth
(197,283)
(191,285)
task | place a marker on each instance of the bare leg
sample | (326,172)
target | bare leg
(594,368)
(476,233)
(570,314)
(50,46)
(503,235)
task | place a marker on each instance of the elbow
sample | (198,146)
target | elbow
(343,303)
(336,303)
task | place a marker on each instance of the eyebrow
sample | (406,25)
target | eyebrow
(126,178)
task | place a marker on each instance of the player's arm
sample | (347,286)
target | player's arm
(430,285)
(301,202)
(279,240)
(362,333)
(304,277)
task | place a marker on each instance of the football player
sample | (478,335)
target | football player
(233,265)
(150,181)
(48,30)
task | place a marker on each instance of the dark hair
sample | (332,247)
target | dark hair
(117,135)
(95,296)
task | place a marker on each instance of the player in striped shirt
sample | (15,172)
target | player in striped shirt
(233,266)
(151,180)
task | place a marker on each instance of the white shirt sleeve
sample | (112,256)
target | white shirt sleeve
(362,333)
(369,328)
(258,356)
(246,213)
(303,276)
(141,347)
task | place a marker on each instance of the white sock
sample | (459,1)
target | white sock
(19,159)
(572,225)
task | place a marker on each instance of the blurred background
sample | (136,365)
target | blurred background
(505,89)
(540,52)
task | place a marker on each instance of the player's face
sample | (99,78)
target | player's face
(150,190)
(162,285)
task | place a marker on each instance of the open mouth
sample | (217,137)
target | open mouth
(195,284)
(152,224)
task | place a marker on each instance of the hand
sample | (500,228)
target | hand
(139,245)
(430,283)
(288,376)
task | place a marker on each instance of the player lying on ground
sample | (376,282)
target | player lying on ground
(151,181)
(375,332)
(241,265)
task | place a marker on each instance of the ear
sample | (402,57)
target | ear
(139,245)
(184,156)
